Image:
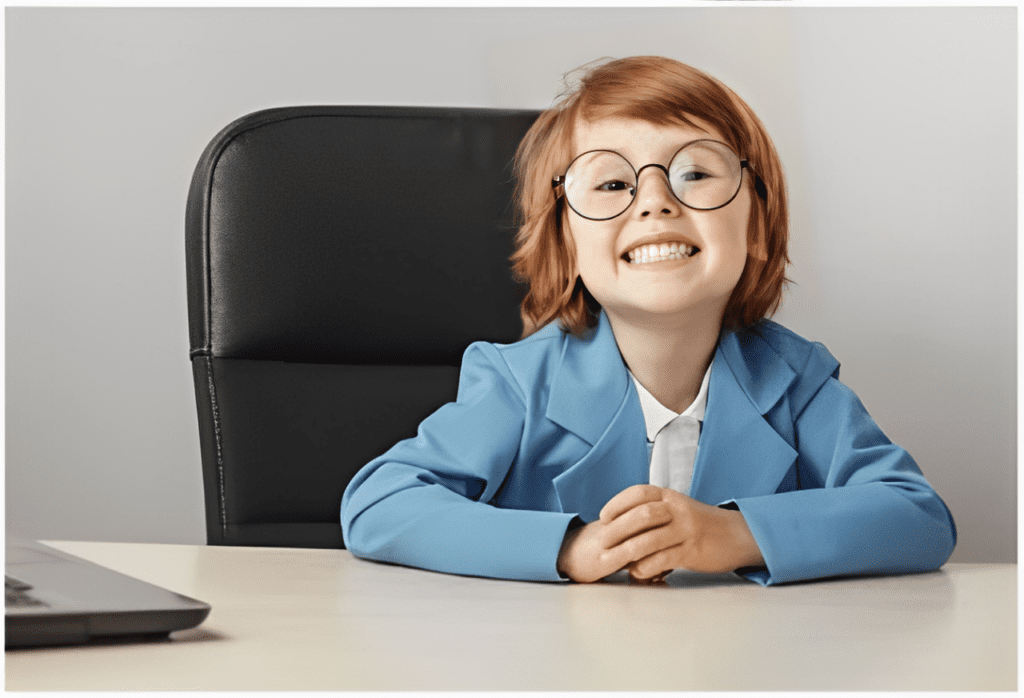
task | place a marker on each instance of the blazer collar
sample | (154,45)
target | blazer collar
(589,384)
(591,378)
(757,368)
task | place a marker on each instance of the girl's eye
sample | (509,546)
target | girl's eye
(614,185)
(693,176)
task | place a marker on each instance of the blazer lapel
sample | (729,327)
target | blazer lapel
(589,384)
(740,454)
(591,396)
(618,460)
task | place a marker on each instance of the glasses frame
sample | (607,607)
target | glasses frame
(759,187)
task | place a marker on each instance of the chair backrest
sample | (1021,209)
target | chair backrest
(340,260)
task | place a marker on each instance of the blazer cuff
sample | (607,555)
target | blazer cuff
(574,523)
(760,574)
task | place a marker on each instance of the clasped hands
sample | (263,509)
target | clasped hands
(651,531)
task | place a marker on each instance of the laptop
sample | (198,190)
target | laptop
(53,598)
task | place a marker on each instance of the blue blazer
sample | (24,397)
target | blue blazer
(550,428)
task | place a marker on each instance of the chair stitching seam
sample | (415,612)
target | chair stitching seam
(219,448)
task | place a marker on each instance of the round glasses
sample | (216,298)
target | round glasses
(601,184)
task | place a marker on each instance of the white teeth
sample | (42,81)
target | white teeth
(658,253)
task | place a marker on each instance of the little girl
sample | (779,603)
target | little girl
(652,418)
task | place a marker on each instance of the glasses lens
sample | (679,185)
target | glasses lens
(600,184)
(705,174)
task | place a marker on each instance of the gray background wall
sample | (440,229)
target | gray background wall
(897,128)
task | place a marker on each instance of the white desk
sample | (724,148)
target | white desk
(323,620)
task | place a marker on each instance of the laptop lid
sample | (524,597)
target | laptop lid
(53,598)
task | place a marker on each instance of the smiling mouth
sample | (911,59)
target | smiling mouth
(645,254)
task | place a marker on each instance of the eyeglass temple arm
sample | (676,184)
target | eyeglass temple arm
(759,186)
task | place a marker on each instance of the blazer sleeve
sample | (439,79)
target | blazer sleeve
(869,509)
(425,502)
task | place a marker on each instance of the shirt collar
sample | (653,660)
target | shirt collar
(656,415)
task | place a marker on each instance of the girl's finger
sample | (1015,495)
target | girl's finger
(634,522)
(628,499)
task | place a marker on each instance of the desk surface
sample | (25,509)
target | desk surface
(323,620)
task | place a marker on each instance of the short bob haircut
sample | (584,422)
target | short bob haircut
(665,92)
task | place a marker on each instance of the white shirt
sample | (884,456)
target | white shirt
(657,416)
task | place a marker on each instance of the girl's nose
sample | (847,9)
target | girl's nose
(654,194)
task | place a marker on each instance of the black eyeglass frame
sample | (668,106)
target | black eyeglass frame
(759,186)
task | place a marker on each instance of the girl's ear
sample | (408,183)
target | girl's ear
(758,246)
(569,250)
(758,250)
(573,279)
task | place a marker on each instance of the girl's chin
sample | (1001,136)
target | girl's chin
(674,310)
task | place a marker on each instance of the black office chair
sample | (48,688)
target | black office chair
(339,259)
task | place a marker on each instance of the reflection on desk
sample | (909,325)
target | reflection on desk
(324,620)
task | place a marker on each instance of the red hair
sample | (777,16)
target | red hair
(660,91)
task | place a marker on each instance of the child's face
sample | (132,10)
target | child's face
(693,287)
